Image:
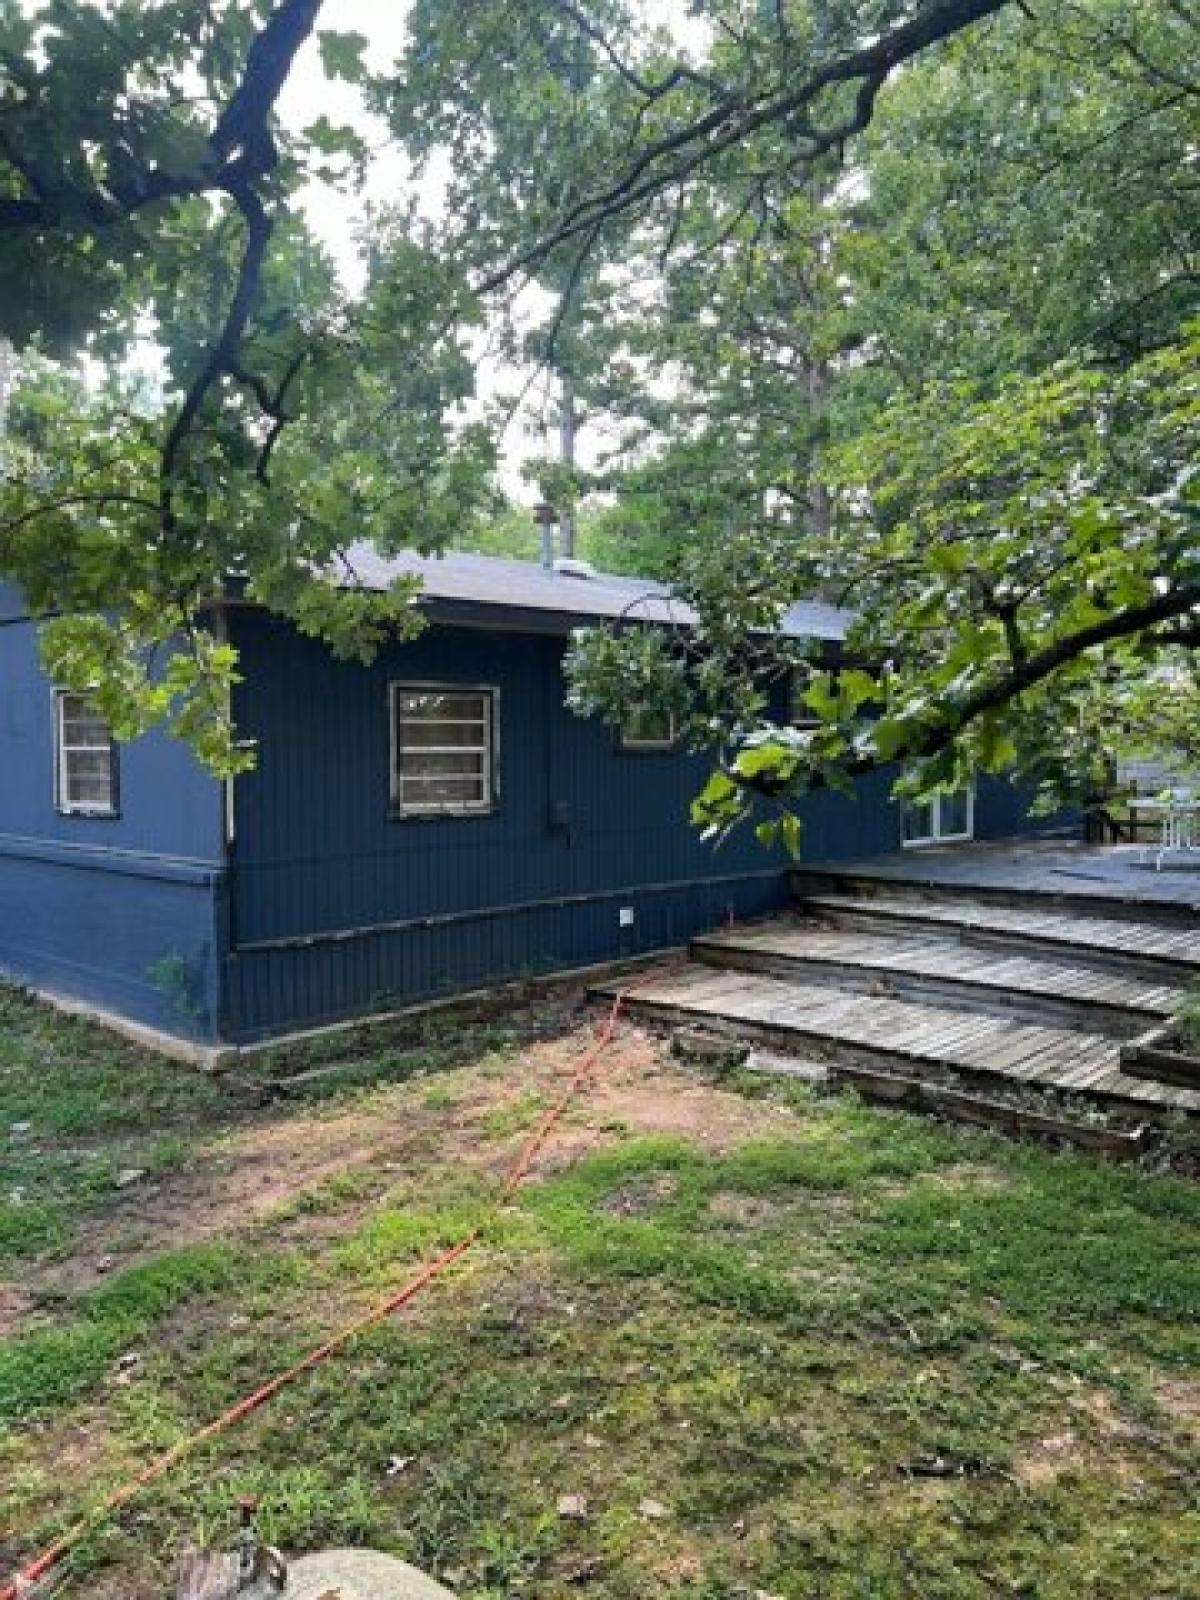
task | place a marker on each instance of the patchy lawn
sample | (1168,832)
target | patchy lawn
(732,1341)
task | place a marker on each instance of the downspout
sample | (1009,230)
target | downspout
(225,912)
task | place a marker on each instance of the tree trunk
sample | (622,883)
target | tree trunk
(567,427)
(820,510)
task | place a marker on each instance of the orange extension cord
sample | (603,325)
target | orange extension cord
(519,1171)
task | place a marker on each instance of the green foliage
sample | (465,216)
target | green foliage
(280,421)
(960,399)
(1187,1021)
(943,371)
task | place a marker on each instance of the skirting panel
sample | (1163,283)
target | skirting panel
(143,947)
(273,990)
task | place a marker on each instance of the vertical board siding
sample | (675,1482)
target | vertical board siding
(317,856)
(579,829)
(91,908)
(272,990)
(169,805)
(94,908)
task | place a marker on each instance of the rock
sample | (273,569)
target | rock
(359,1575)
(208,1575)
(572,1506)
(652,1510)
(128,1176)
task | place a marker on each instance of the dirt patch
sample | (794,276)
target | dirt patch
(238,1184)
(747,1210)
(643,1088)
(226,1190)
(1180,1399)
(974,1177)
(15,1304)
(1104,1442)
(637,1199)
(1046,1461)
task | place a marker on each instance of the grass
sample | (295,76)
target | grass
(69,1126)
(799,1348)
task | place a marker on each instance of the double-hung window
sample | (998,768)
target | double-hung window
(85,767)
(443,750)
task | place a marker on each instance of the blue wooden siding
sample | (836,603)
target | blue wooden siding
(325,906)
(103,909)
(337,907)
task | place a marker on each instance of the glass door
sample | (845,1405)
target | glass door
(941,819)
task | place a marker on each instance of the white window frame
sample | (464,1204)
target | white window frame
(799,715)
(62,753)
(404,810)
(935,814)
(636,746)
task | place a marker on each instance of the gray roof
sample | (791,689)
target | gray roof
(462,584)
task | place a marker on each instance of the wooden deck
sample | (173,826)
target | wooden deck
(925,964)
(1114,877)
(1001,980)
(909,1036)
(1171,954)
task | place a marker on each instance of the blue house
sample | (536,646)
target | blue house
(432,822)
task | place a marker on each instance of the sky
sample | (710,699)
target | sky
(309,94)
(333,213)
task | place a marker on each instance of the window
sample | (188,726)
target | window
(85,759)
(941,818)
(800,714)
(443,749)
(648,730)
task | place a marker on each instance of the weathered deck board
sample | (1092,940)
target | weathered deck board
(927,956)
(1105,875)
(981,964)
(1178,951)
(1020,1052)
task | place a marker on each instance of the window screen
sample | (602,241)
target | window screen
(442,749)
(86,775)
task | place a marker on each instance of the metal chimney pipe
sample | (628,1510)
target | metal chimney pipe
(545,517)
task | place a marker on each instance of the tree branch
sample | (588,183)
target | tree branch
(240,148)
(1034,669)
(222,357)
(675,156)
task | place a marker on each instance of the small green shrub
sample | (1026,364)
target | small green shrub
(1187,1019)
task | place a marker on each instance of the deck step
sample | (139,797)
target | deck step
(904,1035)
(1158,953)
(930,966)
(1059,878)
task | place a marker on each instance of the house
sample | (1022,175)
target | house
(432,822)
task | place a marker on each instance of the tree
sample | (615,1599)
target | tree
(147,188)
(148,198)
(672,176)
(1013,408)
